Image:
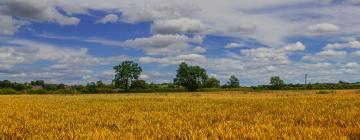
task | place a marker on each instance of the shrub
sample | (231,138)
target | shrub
(40,91)
(326,92)
(67,91)
(8,91)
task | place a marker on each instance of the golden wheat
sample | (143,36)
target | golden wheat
(222,115)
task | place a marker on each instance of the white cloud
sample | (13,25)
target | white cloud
(245,28)
(67,64)
(325,55)
(163,44)
(323,28)
(110,18)
(156,10)
(72,9)
(351,65)
(298,46)
(273,55)
(8,25)
(173,60)
(39,10)
(352,44)
(144,76)
(356,53)
(234,45)
(33,10)
(199,50)
(176,26)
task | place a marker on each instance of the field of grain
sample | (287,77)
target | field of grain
(224,115)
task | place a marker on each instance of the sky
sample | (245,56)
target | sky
(79,41)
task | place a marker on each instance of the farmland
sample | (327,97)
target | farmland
(224,115)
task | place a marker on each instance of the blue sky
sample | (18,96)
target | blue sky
(79,41)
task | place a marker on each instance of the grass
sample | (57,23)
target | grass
(215,115)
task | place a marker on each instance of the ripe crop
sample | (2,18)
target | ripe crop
(219,115)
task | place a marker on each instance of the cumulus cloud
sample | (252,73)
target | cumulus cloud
(72,9)
(325,55)
(164,44)
(8,25)
(65,62)
(110,18)
(323,28)
(354,44)
(234,45)
(171,60)
(356,53)
(271,55)
(336,51)
(153,11)
(199,50)
(245,28)
(33,10)
(176,26)
(298,46)
(39,10)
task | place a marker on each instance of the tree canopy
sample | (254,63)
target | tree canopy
(191,77)
(212,83)
(126,73)
(276,82)
(233,82)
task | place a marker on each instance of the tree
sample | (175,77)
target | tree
(233,82)
(38,83)
(191,77)
(100,84)
(5,84)
(91,87)
(212,83)
(139,84)
(276,82)
(126,73)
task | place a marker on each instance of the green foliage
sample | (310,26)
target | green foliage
(7,91)
(276,83)
(5,84)
(233,82)
(38,83)
(39,91)
(191,77)
(139,84)
(126,73)
(67,91)
(212,83)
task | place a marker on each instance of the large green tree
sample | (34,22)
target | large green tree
(191,77)
(126,73)
(212,83)
(233,82)
(276,82)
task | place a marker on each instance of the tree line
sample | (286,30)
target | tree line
(188,78)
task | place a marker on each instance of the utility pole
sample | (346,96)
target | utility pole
(306,76)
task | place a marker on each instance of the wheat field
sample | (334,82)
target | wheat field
(219,115)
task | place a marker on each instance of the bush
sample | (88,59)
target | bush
(40,91)
(326,92)
(64,91)
(8,91)
(104,90)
